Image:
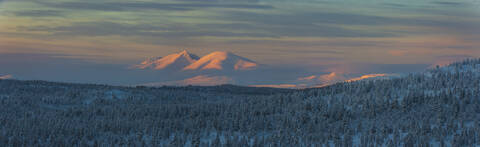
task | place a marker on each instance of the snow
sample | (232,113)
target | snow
(173,61)
(222,61)
(219,60)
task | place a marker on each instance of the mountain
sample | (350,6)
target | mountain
(216,68)
(222,61)
(221,67)
(174,61)
(185,61)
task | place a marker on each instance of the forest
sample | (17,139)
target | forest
(437,107)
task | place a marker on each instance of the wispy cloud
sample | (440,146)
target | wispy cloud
(39,13)
(104,28)
(448,3)
(129,6)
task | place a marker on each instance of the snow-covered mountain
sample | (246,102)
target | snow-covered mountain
(184,68)
(222,67)
(175,61)
(185,61)
(222,61)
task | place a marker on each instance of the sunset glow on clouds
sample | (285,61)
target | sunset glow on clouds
(319,36)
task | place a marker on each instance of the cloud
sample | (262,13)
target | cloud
(105,28)
(323,31)
(39,13)
(222,1)
(234,23)
(108,6)
(448,3)
(130,6)
(394,5)
(328,24)
(307,24)
(312,43)
(308,18)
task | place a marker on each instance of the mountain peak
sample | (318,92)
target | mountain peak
(184,53)
(218,60)
(173,61)
(222,60)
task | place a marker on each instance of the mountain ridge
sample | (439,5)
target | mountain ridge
(186,61)
(222,60)
(174,61)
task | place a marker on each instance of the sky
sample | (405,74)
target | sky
(78,40)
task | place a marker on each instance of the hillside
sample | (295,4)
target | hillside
(438,107)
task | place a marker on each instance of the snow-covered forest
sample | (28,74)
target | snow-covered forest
(439,107)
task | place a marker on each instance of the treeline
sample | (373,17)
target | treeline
(440,107)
